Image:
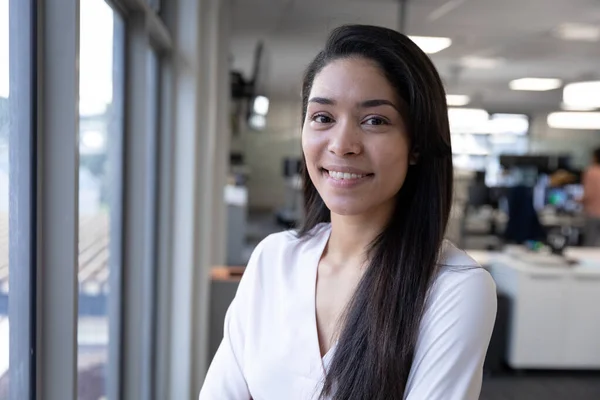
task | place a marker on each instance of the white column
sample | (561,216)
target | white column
(213,161)
(186,35)
(199,163)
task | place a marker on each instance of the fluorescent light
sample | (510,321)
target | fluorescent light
(430,44)
(535,84)
(468,120)
(509,124)
(476,62)
(578,32)
(457,100)
(582,95)
(261,105)
(258,122)
(472,114)
(574,120)
(574,107)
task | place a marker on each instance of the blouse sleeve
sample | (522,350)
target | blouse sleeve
(225,379)
(454,336)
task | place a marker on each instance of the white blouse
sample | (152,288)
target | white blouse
(270,349)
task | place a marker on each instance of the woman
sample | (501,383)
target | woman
(368,301)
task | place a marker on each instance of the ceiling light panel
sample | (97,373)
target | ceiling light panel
(457,100)
(578,32)
(535,84)
(582,95)
(468,120)
(574,107)
(476,62)
(574,120)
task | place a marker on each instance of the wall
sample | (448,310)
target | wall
(264,153)
(578,143)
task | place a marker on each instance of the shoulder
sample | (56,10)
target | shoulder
(459,270)
(462,289)
(455,330)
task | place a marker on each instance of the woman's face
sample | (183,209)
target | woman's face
(354,138)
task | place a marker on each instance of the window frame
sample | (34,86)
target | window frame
(57,199)
(166,352)
(130,365)
(114,302)
(22,212)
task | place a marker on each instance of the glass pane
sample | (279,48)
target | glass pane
(4,126)
(100,138)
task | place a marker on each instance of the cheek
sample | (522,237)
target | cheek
(312,146)
(393,159)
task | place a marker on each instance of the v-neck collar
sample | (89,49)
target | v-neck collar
(322,362)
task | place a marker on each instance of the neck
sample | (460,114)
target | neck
(351,235)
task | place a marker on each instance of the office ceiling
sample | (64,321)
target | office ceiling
(520,33)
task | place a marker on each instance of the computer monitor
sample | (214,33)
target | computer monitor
(292,167)
(565,198)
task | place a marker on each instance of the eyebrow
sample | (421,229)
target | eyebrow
(322,100)
(364,104)
(377,103)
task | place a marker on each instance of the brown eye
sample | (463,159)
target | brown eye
(376,121)
(322,119)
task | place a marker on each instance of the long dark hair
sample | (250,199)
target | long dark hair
(380,326)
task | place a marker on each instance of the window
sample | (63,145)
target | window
(63,137)
(16,200)
(100,200)
(4,196)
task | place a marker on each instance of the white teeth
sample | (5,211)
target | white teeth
(344,175)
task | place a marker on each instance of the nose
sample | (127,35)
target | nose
(345,139)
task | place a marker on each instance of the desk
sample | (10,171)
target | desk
(555,318)
(225,273)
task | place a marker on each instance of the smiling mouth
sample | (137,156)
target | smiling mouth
(344,176)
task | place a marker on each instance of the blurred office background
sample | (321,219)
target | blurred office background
(146,147)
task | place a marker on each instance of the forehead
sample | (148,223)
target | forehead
(352,79)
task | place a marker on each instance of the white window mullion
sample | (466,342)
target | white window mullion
(139,267)
(186,176)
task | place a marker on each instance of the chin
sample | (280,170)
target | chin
(346,208)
